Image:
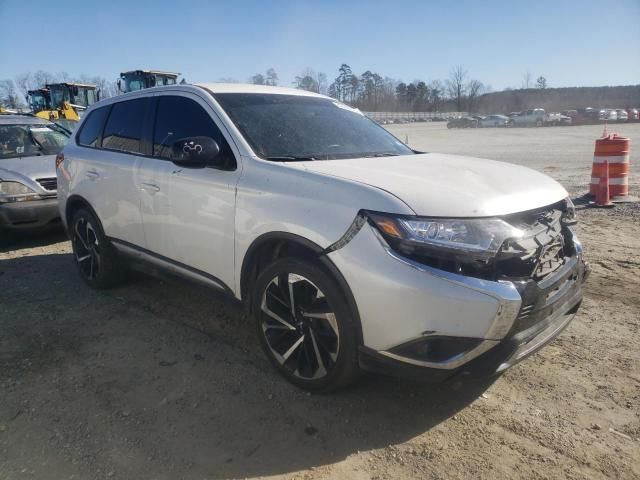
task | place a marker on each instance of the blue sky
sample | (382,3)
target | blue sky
(573,42)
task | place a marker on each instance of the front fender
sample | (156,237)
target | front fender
(273,197)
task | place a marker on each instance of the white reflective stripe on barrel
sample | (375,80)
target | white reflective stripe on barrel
(612,181)
(616,159)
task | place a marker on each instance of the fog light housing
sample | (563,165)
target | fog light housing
(436,348)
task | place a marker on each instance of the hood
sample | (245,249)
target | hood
(41,166)
(442,185)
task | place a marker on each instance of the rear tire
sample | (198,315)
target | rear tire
(95,257)
(305,326)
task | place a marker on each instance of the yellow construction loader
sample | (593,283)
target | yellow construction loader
(140,79)
(62,101)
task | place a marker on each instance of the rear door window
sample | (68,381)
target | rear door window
(123,131)
(92,127)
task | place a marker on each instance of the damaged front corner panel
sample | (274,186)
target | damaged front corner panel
(351,232)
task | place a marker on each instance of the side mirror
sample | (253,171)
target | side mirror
(195,152)
(119,83)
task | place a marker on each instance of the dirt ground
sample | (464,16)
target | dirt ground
(163,379)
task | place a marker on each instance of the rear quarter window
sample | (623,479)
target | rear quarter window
(92,127)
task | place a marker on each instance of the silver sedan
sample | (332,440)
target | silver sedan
(494,121)
(28,185)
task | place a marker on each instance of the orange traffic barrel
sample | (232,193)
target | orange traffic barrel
(615,150)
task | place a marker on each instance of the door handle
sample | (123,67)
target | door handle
(92,174)
(150,188)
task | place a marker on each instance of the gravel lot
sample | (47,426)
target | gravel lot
(163,379)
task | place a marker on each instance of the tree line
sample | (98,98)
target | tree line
(368,91)
(371,91)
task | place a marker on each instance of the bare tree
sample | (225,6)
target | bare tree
(42,78)
(227,80)
(107,88)
(527,80)
(474,88)
(9,95)
(456,86)
(23,82)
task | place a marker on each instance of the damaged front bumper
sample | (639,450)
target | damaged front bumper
(448,314)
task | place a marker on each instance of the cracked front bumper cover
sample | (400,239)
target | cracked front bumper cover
(554,302)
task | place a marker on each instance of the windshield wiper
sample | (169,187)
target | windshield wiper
(60,128)
(383,154)
(290,159)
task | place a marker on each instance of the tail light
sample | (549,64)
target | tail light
(59,159)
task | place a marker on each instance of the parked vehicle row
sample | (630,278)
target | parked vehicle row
(350,250)
(539,117)
(590,115)
(533,117)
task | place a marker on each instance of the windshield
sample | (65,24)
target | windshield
(30,140)
(133,83)
(294,127)
(38,102)
(59,95)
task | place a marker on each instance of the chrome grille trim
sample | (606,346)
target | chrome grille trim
(49,183)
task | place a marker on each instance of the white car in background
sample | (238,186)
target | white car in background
(622,115)
(351,250)
(533,117)
(608,114)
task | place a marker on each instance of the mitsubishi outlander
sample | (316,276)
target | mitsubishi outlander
(350,250)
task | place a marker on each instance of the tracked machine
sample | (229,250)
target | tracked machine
(140,79)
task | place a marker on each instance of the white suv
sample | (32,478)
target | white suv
(350,250)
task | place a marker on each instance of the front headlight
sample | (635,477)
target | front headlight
(16,192)
(480,238)
(569,215)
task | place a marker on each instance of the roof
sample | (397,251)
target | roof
(157,72)
(73,84)
(249,88)
(212,88)
(28,119)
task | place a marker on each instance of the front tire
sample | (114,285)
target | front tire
(305,326)
(95,257)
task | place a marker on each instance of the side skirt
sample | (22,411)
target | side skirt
(139,254)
